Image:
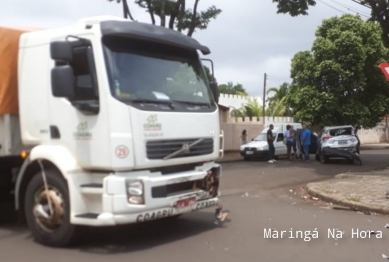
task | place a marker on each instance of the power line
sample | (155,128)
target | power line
(353,9)
(327,4)
(360,2)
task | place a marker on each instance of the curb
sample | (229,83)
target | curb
(228,161)
(347,203)
(374,148)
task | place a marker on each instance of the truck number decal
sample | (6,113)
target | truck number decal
(154,215)
(121,151)
(202,205)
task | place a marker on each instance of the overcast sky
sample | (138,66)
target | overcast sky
(247,40)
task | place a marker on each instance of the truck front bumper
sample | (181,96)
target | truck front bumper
(161,195)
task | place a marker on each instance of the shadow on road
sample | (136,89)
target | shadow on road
(128,238)
(137,237)
(371,161)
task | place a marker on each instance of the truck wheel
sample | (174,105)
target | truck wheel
(49,229)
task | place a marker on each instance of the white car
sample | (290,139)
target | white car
(338,142)
(258,147)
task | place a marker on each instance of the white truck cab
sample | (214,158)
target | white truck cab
(258,147)
(118,124)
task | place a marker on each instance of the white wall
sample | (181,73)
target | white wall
(235,101)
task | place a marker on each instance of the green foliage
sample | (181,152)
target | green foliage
(251,108)
(208,73)
(278,103)
(175,14)
(338,81)
(379,12)
(232,89)
(294,7)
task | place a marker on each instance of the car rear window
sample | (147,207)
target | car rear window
(341,131)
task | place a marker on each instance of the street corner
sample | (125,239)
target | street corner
(367,193)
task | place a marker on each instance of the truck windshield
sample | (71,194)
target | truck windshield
(144,72)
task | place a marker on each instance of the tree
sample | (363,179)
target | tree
(294,7)
(379,11)
(278,103)
(175,15)
(209,74)
(252,108)
(338,81)
(232,89)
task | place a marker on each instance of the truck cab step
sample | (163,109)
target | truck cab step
(93,188)
(94,185)
(88,215)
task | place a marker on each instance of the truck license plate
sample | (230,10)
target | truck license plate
(249,152)
(186,202)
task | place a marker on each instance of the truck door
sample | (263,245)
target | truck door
(77,119)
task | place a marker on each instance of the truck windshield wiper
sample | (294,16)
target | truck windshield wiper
(193,103)
(151,101)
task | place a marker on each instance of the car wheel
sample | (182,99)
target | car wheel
(323,158)
(357,162)
(50,229)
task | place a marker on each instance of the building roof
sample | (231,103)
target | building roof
(225,108)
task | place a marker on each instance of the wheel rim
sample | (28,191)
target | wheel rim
(46,220)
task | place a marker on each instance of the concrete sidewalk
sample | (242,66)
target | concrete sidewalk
(363,191)
(235,155)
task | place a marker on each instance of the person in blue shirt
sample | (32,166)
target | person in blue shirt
(306,142)
(289,141)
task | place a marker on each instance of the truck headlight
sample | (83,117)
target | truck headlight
(135,192)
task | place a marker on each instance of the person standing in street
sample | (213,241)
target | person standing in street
(243,136)
(293,135)
(270,142)
(289,141)
(306,142)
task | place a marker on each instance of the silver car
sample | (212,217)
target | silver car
(338,142)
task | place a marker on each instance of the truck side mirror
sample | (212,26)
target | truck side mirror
(62,81)
(61,51)
(215,91)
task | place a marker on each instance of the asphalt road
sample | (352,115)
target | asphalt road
(258,196)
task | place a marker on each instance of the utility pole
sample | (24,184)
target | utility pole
(264,97)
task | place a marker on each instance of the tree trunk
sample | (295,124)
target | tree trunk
(181,13)
(174,14)
(151,11)
(163,16)
(126,10)
(380,13)
(193,21)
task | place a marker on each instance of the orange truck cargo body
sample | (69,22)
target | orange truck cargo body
(9,47)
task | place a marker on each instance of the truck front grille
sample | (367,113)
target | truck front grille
(161,148)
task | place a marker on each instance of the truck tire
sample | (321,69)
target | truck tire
(56,231)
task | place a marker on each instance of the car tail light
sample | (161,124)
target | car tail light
(325,138)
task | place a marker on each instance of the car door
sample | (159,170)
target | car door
(279,145)
(313,147)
